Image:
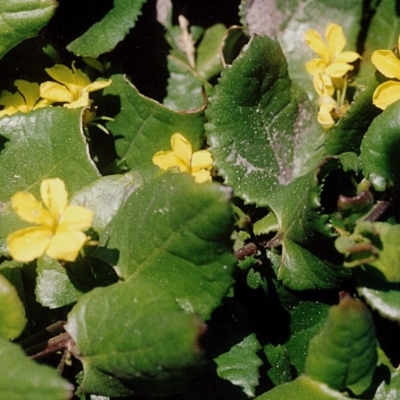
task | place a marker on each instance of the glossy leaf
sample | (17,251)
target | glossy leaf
(44,143)
(146,342)
(20,20)
(343,355)
(103,36)
(380,148)
(176,234)
(258,130)
(12,312)
(280,369)
(389,390)
(143,127)
(240,365)
(22,378)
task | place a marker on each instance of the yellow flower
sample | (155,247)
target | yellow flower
(389,65)
(58,226)
(326,106)
(333,61)
(182,157)
(73,88)
(25,99)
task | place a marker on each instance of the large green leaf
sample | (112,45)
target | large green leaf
(343,355)
(175,233)
(240,364)
(12,313)
(134,339)
(44,143)
(288,20)
(389,390)
(22,19)
(22,378)
(261,129)
(103,36)
(142,127)
(380,148)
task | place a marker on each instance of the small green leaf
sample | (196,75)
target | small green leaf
(343,355)
(304,388)
(240,364)
(12,312)
(44,143)
(280,369)
(261,128)
(175,233)
(143,127)
(134,339)
(103,36)
(22,378)
(380,148)
(20,20)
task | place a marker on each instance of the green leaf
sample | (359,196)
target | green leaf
(343,355)
(389,390)
(307,254)
(12,312)
(105,195)
(143,127)
(22,378)
(44,143)
(175,233)
(288,20)
(240,364)
(380,148)
(304,388)
(280,370)
(22,19)
(261,128)
(103,36)
(134,339)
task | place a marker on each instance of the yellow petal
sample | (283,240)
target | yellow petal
(323,84)
(75,218)
(315,65)
(11,99)
(386,63)
(386,94)
(317,44)
(66,245)
(182,149)
(55,92)
(335,38)
(54,196)
(165,159)
(97,85)
(325,118)
(62,74)
(27,244)
(81,79)
(201,159)
(30,92)
(8,111)
(202,176)
(82,101)
(30,210)
(338,70)
(347,57)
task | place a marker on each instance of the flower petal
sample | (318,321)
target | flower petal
(201,159)
(325,117)
(386,94)
(182,149)
(338,70)
(30,92)
(11,99)
(8,111)
(31,210)
(81,79)
(54,196)
(66,245)
(335,38)
(55,92)
(166,159)
(75,218)
(97,85)
(347,57)
(317,44)
(82,101)
(62,74)
(315,65)
(387,63)
(29,243)
(202,176)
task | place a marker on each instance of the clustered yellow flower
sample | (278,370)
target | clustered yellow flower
(71,89)
(388,64)
(329,72)
(182,158)
(58,229)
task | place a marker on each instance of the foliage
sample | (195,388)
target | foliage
(193,213)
